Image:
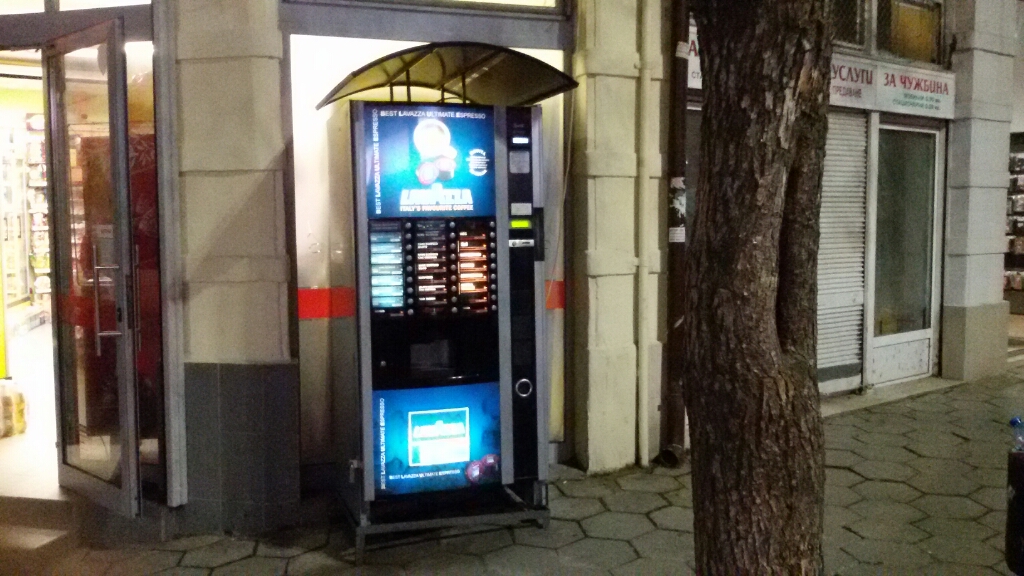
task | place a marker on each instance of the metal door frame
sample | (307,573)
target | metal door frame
(126,498)
(932,333)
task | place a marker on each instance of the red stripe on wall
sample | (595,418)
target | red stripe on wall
(555,294)
(343,302)
(318,303)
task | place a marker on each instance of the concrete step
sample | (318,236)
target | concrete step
(27,550)
(53,513)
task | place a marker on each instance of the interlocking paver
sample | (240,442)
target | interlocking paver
(991,498)
(969,530)
(840,496)
(589,488)
(951,484)
(886,454)
(886,510)
(635,502)
(995,520)
(916,486)
(682,497)
(292,543)
(616,525)
(647,566)
(882,438)
(643,482)
(841,477)
(256,566)
(949,506)
(841,458)
(146,563)
(189,542)
(990,477)
(673,518)
(878,470)
(401,554)
(219,553)
(522,560)
(882,529)
(596,553)
(664,544)
(317,562)
(931,465)
(558,533)
(480,541)
(574,508)
(836,516)
(887,553)
(882,490)
(960,551)
(446,563)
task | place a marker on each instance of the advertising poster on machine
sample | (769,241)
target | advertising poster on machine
(429,439)
(429,161)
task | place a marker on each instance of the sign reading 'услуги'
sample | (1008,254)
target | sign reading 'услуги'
(868,85)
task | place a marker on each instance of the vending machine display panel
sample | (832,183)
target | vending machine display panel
(430,439)
(429,161)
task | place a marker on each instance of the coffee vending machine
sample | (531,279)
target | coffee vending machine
(450,301)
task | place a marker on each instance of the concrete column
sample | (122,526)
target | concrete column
(974,315)
(241,385)
(229,54)
(605,256)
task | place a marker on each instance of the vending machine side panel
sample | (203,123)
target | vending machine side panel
(365,423)
(540,300)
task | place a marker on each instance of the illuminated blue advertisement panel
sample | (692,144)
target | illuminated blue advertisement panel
(428,439)
(429,161)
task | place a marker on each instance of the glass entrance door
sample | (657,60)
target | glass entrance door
(91,235)
(903,319)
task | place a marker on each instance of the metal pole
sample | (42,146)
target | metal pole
(675,406)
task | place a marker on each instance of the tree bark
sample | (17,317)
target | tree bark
(751,287)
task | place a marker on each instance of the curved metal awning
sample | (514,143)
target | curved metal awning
(468,71)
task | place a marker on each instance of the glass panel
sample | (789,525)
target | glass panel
(21,6)
(87,4)
(903,248)
(910,28)
(146,237)
(848,21)
(89,380)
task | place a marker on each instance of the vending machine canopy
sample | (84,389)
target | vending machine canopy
(472,72)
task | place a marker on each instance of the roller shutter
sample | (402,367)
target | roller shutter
(842,253)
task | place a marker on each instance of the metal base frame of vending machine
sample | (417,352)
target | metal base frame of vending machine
(501,507)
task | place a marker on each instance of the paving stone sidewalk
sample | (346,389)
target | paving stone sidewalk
(913,487)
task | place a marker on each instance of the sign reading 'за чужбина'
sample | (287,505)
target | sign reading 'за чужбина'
(868,85)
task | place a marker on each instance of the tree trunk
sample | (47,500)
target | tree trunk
(751,295)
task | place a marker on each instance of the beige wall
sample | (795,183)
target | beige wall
(232,194)
(605,256)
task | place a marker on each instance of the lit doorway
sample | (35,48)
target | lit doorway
(28,429)
(70,227)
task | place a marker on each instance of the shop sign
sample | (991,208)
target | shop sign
(868,85)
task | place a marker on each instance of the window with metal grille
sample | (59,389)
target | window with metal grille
(911,29)
(848,21)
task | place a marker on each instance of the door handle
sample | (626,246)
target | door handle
(100,334)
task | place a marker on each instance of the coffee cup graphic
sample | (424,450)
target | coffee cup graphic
(437,156)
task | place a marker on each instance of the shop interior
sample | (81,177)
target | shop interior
(28,456)
(28,350)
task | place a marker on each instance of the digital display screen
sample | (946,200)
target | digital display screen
(443,438)
(429,161)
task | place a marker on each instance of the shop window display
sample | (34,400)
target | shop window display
(903,261)
(910,29)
